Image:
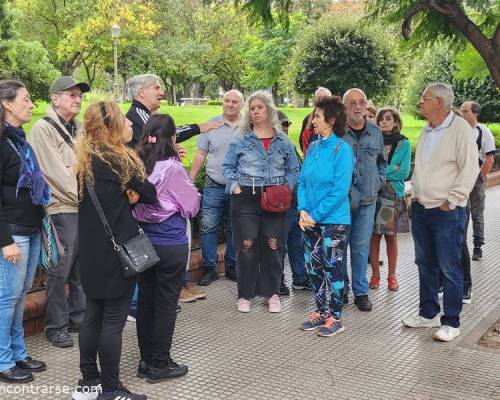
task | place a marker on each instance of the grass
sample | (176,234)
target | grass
(197,114)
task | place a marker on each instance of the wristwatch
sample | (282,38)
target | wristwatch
(451,206)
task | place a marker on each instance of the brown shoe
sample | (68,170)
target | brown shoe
(197,292)
(186,296)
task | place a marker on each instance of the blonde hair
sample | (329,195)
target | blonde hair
(102,138)
(272,112)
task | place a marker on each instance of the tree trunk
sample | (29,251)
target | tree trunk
(276,97)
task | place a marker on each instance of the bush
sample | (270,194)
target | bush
(485,92)
(339,55)
(214,103)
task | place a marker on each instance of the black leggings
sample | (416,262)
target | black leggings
(257,237)
(159,289)
(101,333)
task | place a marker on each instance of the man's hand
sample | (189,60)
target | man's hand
(210,125)
(181,150)
(445,206)
(11,253)
(133,196)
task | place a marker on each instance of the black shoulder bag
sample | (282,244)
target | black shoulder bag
(137,254)
(64,135)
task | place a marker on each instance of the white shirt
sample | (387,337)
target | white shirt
(487,141)
(434,136)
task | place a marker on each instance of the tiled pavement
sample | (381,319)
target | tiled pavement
(263,356)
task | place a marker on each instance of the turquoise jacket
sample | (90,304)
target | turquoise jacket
(401,159)
(325,180)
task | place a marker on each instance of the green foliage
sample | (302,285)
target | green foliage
(470,64)
(214,103)
(485,92)
(340,55)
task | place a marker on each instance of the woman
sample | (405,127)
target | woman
(323,202)
(165,224)
(23,193)
(119,180)
(397,150)
(259,157)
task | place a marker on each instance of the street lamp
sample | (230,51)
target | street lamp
(115,34)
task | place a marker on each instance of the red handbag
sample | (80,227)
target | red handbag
(276,198)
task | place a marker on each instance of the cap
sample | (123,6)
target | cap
(67,82)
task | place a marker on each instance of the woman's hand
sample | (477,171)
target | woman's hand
(237,190)
(11,253)
(306,221)
(181,151)
(133,196)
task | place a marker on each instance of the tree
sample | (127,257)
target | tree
(339,55)
(484,92)
(473,21)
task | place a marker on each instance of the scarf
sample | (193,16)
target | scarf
(392,140)
(30,174)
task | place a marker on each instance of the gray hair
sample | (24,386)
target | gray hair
(8,92)
(320,90)
(237,93)
(272,112)
(139,82)
(443,91)
(475,107)
(346,94)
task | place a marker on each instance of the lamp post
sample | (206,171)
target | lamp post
(115,34)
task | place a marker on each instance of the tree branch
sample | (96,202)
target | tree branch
(406,27)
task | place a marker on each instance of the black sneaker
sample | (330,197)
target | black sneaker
(31,365)
(87,389)
(142,369)
(172,370)
(231,274)
(284,291)
(121,394)
(467,297)
(477,254)
(363,303)
(208,278)
(16,375)
(60,338)
(305,285)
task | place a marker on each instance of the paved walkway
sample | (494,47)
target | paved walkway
(262,356)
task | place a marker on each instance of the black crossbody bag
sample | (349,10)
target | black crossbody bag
(137,254)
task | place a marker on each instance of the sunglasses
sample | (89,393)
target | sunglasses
(286,123)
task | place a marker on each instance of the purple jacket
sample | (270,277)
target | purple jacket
(176,194)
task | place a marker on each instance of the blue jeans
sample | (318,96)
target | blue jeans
(214,201)
(438,239)
(358,238)
(15,281)
(293,246)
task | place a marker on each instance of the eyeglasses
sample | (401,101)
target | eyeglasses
(422,99)
(72,95)
(286,124)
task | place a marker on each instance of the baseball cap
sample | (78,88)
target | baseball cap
(67,82)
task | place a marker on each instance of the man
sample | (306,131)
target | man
(214,144)
(485,141)
(292,237)
(306,132)
(367,144)
(445,170)
(53,138)
(147,93)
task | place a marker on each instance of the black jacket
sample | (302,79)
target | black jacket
(100,270)
(139,114)
(14,209)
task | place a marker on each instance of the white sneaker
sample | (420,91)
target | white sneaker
(244,305)
(130,318)
(274,304)
(417,321)
(446,333)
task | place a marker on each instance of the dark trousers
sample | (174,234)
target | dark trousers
(257,237)
(465,254)
(101,333)
(159,290)
(65,311)
(476,199)
(438,238)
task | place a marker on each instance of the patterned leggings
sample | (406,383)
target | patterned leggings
(324,247)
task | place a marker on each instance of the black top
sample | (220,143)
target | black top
(100,269)
(139,114)
(14,209)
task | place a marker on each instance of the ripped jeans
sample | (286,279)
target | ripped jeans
(257,236)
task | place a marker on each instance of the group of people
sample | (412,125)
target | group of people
(347,192)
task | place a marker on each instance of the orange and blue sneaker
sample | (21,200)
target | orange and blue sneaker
(330,328)
(314,322)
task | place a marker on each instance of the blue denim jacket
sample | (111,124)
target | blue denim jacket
(248,164)
(368,150)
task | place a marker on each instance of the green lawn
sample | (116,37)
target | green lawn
(196,114)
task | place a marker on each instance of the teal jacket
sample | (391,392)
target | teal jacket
(325,180)
(401,160)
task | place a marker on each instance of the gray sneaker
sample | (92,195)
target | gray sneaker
(331,327)
(417,321)
(60,338)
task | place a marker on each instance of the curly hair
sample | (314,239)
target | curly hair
(103,138)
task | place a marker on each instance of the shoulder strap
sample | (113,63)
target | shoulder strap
(13,147)
(63,134)
(100,211)
(479,138)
